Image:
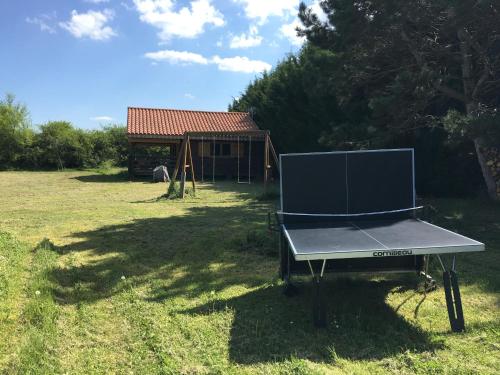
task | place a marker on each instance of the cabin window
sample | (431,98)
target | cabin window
(215,149)
(226,149)
(220,149)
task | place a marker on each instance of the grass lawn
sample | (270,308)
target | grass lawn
(128,283)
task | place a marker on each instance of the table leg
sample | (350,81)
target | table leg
(453,298)
(319,302)
(289,289)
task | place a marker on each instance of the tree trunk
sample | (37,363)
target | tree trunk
(489,179)
(471,107)
(491,185)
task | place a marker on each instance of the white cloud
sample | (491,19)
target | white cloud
(289,31)
(92,24)
(189,96)
(261,10)
(44,21)
(240,64)
(177,57)
(102,118)
(184,23)
(316,9)
(252,39)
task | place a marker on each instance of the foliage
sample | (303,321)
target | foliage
(295,101)
(56,144)
(428,55)
(444,168)
(62,145)
(150,156)
(412,63)
(111,144)
(174,190)
(271,194)
(258,242)
(15,132)
(380,74)
(484,124)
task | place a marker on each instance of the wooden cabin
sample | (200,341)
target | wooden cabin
(226,151)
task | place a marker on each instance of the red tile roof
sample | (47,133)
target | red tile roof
(174,122)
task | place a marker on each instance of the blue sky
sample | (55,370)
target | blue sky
(85,61)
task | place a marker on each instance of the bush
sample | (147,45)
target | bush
(60,145)
(15,132)
(258,241)
(174,190)
(56,144)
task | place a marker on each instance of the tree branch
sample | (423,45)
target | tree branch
(420,61)
(483,55)
(466,62)
(479,83)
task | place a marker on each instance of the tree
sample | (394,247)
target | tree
(56,144)
(414,61)
(117,139)
(108,144)
(62,145)
(294,101)
(15,131)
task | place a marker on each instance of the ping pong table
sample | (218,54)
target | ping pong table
(355,211)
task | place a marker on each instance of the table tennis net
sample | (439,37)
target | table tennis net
(288,217)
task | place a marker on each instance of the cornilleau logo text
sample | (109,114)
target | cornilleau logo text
(392,253)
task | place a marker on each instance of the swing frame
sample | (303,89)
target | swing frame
(185,152)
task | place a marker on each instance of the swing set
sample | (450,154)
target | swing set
(185,158)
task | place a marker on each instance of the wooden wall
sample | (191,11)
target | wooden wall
(226,166)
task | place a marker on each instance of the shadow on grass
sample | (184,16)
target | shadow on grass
(478,219)
(269,327)
(153,249)
(189,256)
(104,177)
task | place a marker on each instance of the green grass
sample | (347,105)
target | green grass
(137,284)
(13,263)
(27,295)
(36,352)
